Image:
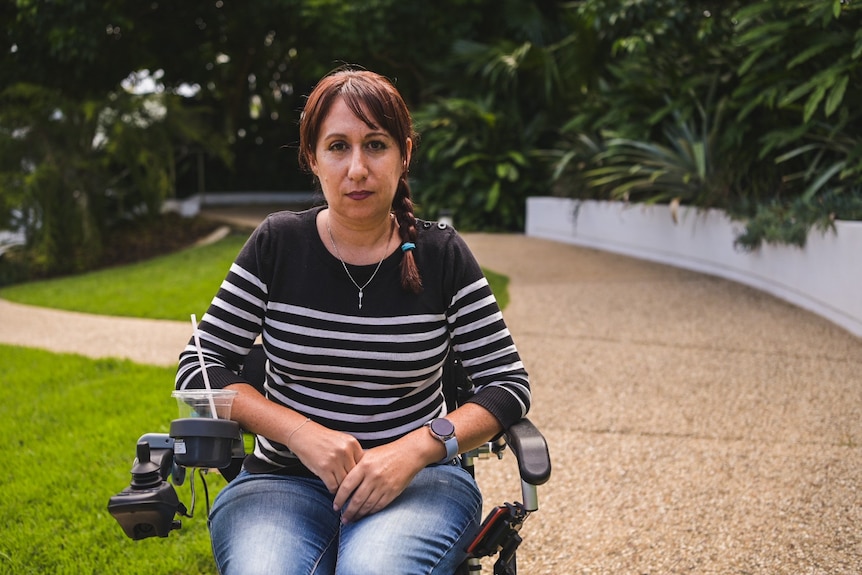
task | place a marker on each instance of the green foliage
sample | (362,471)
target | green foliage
(803,74)
(653,55)
(783,223)
(406,41)
(44,169)
(654,126)
(250,64)
(499,285)
(71,169)
(528,82)
(80,46)
(482,172)
(72,424)
(684,168)
(801,57)
(775,141)
(802,77)
(479,147)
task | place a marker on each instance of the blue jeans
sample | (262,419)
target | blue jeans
(273,524)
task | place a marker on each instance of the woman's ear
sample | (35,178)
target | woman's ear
(408,153)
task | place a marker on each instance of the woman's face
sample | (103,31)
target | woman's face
(358,167)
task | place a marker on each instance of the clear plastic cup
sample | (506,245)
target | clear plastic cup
(198,402)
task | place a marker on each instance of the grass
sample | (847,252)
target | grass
(71,425)
(165,287)
(499,285)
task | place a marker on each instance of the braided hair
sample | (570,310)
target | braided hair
(375,101)
(402,207)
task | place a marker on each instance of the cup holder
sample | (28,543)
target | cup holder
(204,442)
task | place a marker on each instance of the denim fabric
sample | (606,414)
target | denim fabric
(273,524)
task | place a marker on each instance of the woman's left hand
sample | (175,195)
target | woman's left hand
(384,472)
(376,480)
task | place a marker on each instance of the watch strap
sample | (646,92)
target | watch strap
(451,449)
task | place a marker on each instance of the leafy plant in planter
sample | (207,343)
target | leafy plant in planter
(683,169)
(802,73)
(826,179)
(656,125)
(790,223)
(781,152)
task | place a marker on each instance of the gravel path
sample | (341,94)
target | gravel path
(695,425)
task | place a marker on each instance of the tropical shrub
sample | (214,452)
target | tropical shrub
(475,164)
(481,139)
(71,169)
(745,106)
(803,70)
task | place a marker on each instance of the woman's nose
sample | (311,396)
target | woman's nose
(358,169)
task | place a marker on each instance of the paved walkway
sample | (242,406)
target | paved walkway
(695,425)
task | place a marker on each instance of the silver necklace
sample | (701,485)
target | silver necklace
(344,265)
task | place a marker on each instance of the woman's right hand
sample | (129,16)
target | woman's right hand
(329,454)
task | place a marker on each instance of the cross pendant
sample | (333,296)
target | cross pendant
(360,299)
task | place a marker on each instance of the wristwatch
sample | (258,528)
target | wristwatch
(443,430)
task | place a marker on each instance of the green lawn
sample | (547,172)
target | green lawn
(167,287)
(71,425)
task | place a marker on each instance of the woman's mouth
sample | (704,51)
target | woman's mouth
(359,195)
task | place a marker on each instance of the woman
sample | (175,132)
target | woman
(354,469)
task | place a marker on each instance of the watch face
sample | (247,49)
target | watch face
(442,427)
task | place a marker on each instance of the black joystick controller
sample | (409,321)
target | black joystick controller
(146,508)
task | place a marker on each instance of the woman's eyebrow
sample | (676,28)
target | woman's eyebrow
(370,134)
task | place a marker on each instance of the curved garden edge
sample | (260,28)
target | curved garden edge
(824,277)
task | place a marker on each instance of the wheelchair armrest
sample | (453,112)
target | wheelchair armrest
(531,450)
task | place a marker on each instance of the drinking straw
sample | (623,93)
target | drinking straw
(203,365)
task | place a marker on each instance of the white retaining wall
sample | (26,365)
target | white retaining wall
(824,277)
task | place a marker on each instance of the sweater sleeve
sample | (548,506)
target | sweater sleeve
(482,341)
(233,320)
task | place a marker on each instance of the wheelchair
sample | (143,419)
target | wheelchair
(149,506)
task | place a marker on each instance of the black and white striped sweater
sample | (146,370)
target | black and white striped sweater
(373,372)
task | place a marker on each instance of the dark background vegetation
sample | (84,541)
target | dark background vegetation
(748,106)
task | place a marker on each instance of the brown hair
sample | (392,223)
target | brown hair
(375,101)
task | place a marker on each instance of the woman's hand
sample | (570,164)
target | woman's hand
(369,479)
(331,455)
(374,482)
(384,472)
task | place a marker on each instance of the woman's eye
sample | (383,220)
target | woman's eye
(337,146)
(377,145)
